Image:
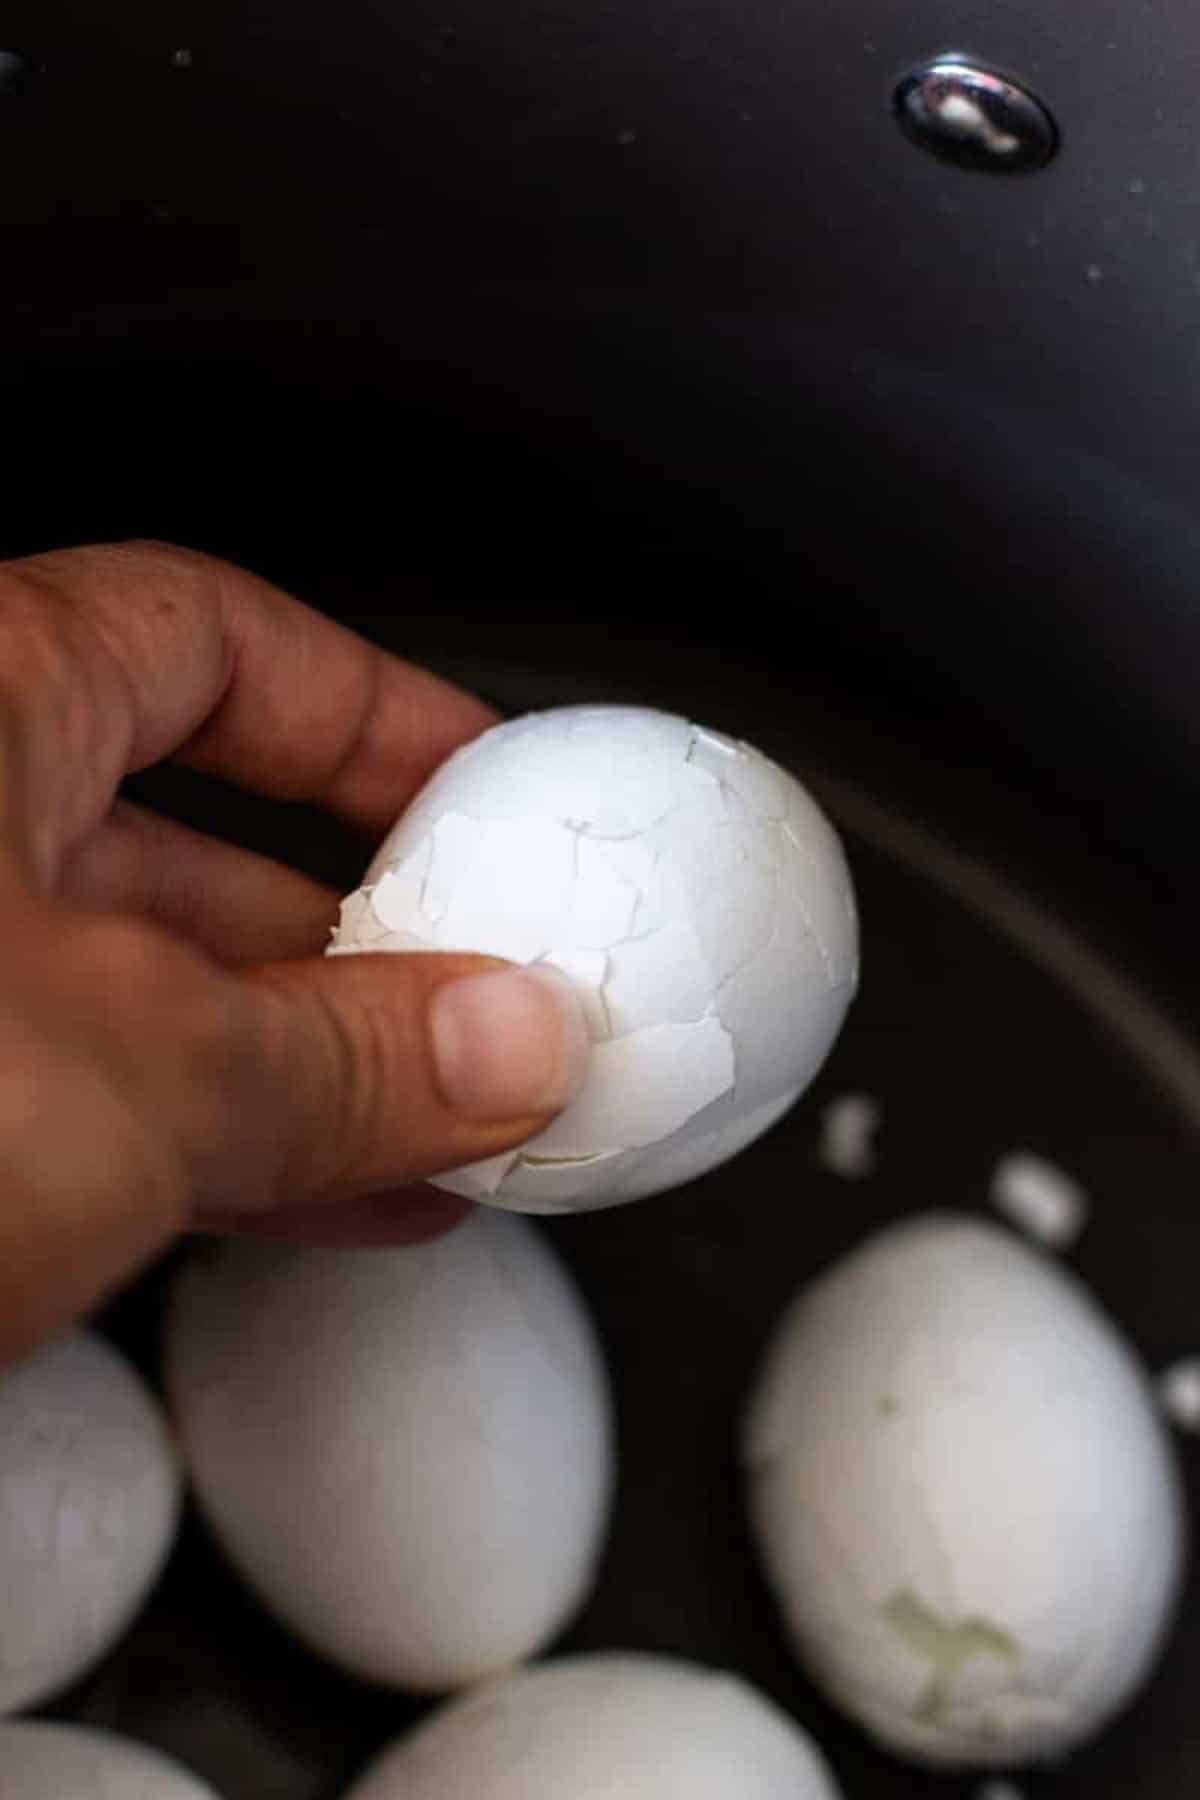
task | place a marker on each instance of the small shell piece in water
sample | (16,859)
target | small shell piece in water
(1039,1199)
(848,1129)
(1179,1390)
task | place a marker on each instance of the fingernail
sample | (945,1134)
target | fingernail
(509,1043)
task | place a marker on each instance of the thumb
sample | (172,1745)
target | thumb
(376,1070)
(145,1088)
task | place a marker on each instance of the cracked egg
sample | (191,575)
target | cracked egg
(965,1499)
(690,888)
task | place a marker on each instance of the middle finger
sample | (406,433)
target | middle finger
(239,906)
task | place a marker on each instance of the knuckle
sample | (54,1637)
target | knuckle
(353,1107)
(156,989)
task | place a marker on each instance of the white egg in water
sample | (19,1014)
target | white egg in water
(965,1498)
(68,1762)
(641,1727)
(408,1453)
(692,891)
(89,1504)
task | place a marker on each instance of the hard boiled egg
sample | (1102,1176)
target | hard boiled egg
(691,890)
(408,1453)
(89,1503)
(964,1495)
(641,1727)
(67,1762)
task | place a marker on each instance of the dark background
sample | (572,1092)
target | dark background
(558,315)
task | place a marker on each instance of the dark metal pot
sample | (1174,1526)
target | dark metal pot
(633,351)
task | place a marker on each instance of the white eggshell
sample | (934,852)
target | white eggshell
(89,1504)
(965,1498)
(629,1727)
(692,891)
(68,1762)
(408,1453)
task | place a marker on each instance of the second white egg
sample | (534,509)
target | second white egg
(408,1453)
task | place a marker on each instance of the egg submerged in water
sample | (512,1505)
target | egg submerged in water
(68,1762)
(692,891)
(965,1498)
(89,1503)
(407,1453)
(641,1727)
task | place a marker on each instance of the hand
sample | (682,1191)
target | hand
(174,1050)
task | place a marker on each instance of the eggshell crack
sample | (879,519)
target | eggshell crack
(688,887)
(1004,1576)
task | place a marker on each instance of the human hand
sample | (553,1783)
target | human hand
(174,1050)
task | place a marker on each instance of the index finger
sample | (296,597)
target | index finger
(115,656)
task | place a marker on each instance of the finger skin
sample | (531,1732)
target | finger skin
(345,1058)
(408,1216)
(115,656)
(147,1087)
(172,1049)
(240,907)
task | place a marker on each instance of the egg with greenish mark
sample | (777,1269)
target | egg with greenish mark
(965,1499)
